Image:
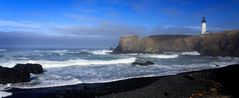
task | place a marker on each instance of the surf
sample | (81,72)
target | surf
(71,62)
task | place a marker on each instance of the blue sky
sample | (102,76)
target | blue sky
(100,23)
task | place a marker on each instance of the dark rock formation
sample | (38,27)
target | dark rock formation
(13,75)
(216,44)
(19,73)
(143,63)
(31,68)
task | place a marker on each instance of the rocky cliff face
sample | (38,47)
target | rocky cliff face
(216,44)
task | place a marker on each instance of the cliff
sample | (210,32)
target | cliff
(215,44)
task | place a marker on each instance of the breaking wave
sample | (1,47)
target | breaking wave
(190,53)
(60,52)
(97,52)
(101,52)
(162,56)
(80,62)
(52,51)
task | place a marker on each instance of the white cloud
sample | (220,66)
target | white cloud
(25,27)
(102,30)
(23,24)
(98,30)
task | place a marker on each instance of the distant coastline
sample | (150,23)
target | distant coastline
(213,44)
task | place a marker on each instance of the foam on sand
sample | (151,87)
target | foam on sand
(4,94)
(50,83)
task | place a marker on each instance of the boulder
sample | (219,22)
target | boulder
(19,73)
(31,68)
(13,75)
(143,63)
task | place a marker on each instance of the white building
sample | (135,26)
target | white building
(204,26)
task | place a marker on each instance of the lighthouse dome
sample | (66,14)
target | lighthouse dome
(203,20)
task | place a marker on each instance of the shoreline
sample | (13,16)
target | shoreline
(213,83)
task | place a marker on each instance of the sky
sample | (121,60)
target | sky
(100,23)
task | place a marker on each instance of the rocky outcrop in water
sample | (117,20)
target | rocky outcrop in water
(142,62)
(31,68)
(12,75)
(19,73)
(215,44)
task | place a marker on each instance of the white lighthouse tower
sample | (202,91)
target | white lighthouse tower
(204,26)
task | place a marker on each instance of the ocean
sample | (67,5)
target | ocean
(76,66)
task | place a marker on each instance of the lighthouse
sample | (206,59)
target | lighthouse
(204,26)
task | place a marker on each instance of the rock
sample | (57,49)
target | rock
(214,44)
(111,48)
(13,75)
(19,73)
(217,65)
(142,63)
(32,68)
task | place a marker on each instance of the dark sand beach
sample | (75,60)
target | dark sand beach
(212,83)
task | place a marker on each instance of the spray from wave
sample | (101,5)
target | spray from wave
(101,52)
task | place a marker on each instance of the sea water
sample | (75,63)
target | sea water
(76,66)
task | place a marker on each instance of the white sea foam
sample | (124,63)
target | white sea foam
(74,82)
(50,83)
(2,50)
(80,62)
(23,58)
(4,94)
(101,52)
(131,54)
(53,81)
(134,54)
(223,64)
(161,56)
(52,51)
(61,52)
(97,52)
(190,53)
